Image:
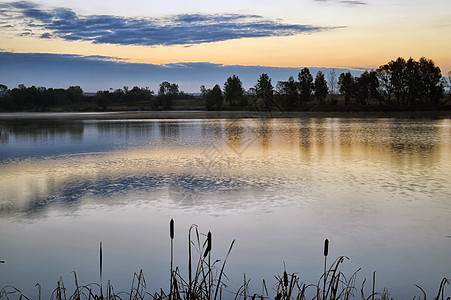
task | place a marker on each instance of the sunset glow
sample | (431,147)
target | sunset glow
(308,33)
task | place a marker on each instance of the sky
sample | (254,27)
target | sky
(108,44)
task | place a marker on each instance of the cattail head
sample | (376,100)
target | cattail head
(171,229)
(285,278)
(208,249)
(326,247)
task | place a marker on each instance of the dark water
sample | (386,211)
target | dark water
(378,188)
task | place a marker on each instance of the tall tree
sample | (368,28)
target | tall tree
(346,85)
(366,87)
(234,92)
(411,81)
(398,78)
(213,98)
(384,75)
(75,93)
(166,93)
(431,83)
(321,89)
(264,89)
(288,93)
(305,85)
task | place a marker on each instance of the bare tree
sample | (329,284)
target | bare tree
(332,82)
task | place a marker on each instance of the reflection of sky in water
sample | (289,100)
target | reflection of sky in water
(379,189)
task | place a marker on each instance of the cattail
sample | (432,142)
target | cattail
(171,229)
(326,252)
(285,278)
(208,244)
(101,270)
(326,247)
(171,235)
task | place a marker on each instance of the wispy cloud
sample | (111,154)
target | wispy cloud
(185,29)
(347,2)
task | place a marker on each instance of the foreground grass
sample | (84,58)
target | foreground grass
(205,281)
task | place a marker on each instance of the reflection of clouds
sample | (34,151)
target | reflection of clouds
(32,195)
(294,159)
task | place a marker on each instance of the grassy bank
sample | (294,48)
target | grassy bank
(207,279)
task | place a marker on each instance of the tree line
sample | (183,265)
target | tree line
(400,84)
(40,98)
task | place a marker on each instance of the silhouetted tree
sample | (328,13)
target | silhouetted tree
(5,99)
(449,85)
(321,89)
(411,81)
(234,92)
(347,86)
(75,94)
(213,98)
(103,98)
(431,85)
(288,93)
(384,75)
(265,90)
(166,93)
(398,78)
(366,87)
(3,90)
(305,85)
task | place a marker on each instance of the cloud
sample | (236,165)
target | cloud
(347,2)
(95,73)
(354,2)
(46,36)
(184,29)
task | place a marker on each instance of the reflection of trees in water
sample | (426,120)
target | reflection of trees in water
(304,133)
(413,138)
(377,136)
(265,134)
(234,130)
(169,129)
(4,135)
(212,130)
(125,129)
(41,130)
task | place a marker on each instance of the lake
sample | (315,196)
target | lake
(379,188)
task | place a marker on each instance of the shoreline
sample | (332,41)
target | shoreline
(198,114)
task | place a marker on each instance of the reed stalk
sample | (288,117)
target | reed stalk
(171,236)
(101,271)
(326,252)
(207,282)
(374,284)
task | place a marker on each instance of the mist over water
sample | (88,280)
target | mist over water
(377,188)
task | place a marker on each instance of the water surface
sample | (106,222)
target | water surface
(377,188)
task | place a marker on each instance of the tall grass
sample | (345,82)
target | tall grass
(205,281)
